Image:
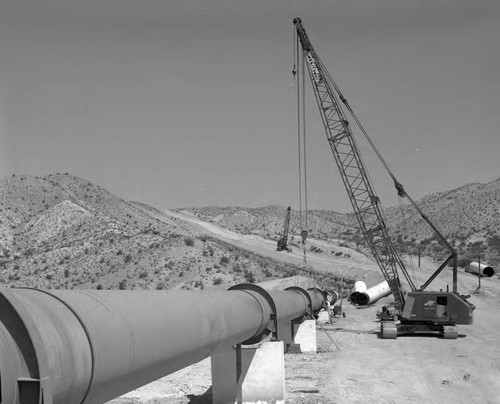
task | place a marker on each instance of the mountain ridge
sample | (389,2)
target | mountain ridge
(63,231)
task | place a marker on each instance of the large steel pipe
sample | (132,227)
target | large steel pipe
(91,346)
(480,269)
(371,295)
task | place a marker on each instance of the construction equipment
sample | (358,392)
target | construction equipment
(418,311)
(283,241)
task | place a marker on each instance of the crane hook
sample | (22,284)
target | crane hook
(304,234)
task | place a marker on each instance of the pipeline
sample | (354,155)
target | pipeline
(367,296)
(480,269)
(90,346)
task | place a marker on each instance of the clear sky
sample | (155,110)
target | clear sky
(192,103)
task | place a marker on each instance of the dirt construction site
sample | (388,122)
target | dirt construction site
(353,364)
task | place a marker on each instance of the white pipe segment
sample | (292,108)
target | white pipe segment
(359,286)
(371,295)
(358,289)
(480,269)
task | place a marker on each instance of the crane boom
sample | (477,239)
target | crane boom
(363,199)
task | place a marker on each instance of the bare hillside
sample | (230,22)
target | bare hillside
(61,231)
(268,221)
(469,218)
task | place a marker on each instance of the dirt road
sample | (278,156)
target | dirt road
(356,265)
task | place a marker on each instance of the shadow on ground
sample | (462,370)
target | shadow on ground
(205,398)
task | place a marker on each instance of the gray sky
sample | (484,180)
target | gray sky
(192,103)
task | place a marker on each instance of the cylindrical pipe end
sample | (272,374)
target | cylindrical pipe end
(332,296)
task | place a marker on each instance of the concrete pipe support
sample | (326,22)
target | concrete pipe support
(89,346)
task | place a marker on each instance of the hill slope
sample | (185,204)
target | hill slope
(61,231)
(468,217)
(65,232)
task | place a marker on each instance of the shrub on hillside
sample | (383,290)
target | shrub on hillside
(494,243)
(189,242)
(249,277)
(462,262)
(267,272)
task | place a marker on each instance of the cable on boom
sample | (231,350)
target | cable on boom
(299,75)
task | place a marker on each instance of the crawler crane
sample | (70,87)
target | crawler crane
(416,311)
(283,241)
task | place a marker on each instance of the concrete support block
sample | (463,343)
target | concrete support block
(305,336)
(323,317)
(249,374)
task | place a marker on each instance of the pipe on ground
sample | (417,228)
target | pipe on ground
(358,288)
(371,295)
(480,269)
(89,346)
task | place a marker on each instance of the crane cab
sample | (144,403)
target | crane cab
(437,307)
(430,313)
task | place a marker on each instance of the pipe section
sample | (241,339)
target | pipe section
(480,269)
(371,295)
(332,296)
(89,346)
(358,289)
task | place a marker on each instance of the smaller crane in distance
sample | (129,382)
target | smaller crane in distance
(283,241)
